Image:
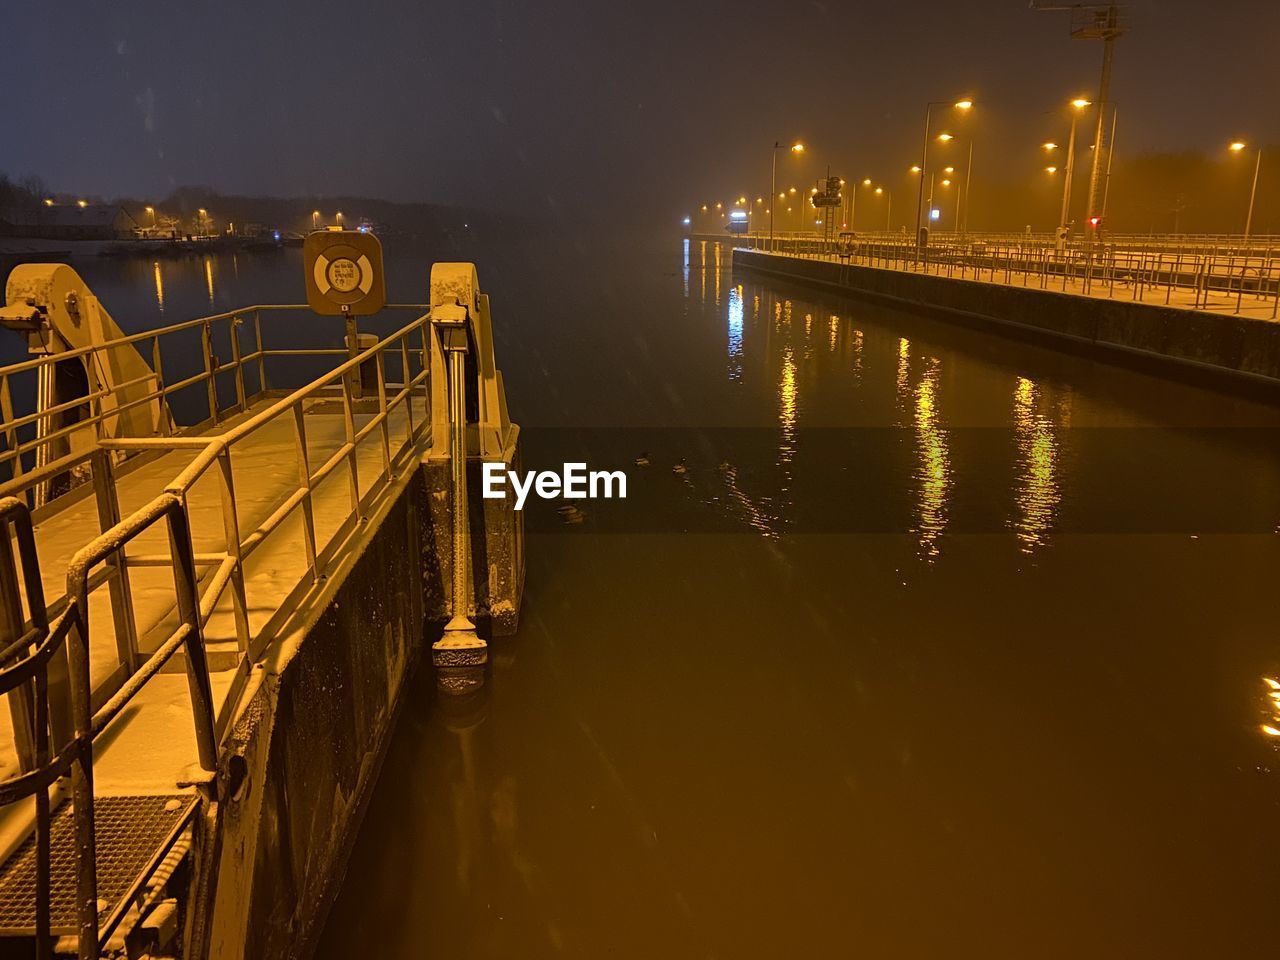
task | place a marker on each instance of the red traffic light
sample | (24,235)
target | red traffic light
(1095,222)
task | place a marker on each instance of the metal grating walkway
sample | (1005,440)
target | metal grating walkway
(129,832)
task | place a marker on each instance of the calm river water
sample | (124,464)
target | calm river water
(909,641)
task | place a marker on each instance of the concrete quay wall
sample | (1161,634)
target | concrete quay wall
(1236,353)
(303,755)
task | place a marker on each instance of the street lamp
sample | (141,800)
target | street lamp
(796,148)
(1064,222)
(1236,147)
(888,206)
(315,219)
(962,105)
(150,210)
(338,215)
(853,202)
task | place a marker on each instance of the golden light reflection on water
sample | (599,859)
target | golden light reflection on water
(856,340)
(702,268)
(155,267)
(717,247)
(834,328)
(208,277)
(1272,725)
(788,412)
(1038,493)
(933,475)
(902,379)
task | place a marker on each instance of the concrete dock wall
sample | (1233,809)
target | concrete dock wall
(305,751)
(1229,352)
(303,756)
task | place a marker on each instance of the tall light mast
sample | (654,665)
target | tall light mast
(1095,21)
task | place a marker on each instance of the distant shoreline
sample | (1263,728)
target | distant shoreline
(27,249)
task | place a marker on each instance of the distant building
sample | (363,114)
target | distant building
(249,229)
(93,221)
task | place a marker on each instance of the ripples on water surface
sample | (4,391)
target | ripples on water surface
(940,645)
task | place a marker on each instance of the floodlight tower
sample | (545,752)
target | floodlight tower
(1094,21)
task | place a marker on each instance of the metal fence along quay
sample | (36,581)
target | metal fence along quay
(1214,274)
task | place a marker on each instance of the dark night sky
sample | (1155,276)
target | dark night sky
(645,107)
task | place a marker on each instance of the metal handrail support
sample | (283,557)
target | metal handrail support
(88,724)
(18,632)
(460,646)
(52,651)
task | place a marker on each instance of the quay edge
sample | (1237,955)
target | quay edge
(1237,354)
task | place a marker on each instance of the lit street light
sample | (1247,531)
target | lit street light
(796,148)
(1064,220)
(888,206)
(1236,147)
(962,105)
(853,197)
(150,210)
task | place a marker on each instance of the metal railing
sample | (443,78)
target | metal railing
(1183,276)
(410,345)
(60,704)
(227,386)
(107,459)
(61,648)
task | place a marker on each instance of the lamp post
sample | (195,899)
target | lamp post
(946,183)
(1064,222)
(962,195)
(1236,147)
(853,199)
(315,219)
(1051,170)
(962,105)
(796,148)
(150,210)
(968,183)
(888,205)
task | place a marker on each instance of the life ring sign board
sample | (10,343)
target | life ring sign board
(344,273)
